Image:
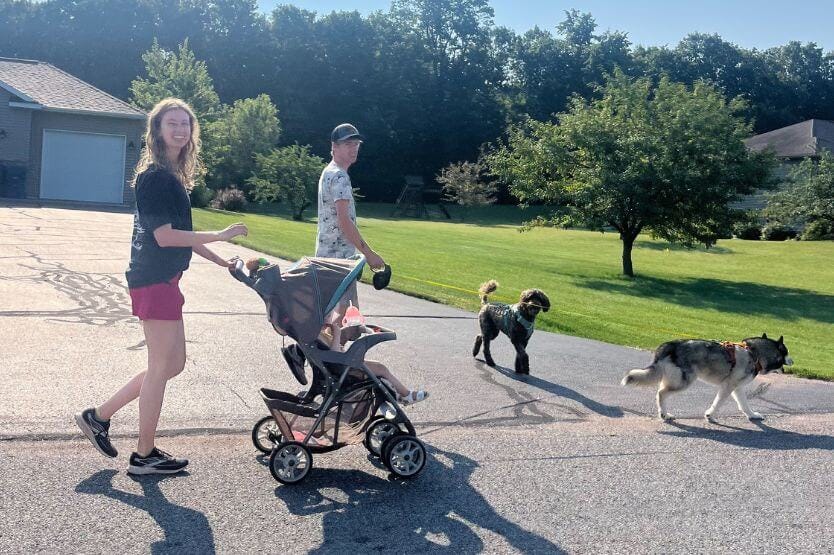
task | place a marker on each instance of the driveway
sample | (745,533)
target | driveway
(562,459)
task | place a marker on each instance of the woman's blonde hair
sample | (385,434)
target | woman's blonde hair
(153,153)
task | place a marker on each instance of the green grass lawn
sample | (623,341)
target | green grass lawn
(732,291)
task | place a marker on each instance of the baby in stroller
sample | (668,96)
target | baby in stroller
(349,317)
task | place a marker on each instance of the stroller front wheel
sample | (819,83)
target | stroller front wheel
(266,435)
(379,430)
(404,455)
(290,462)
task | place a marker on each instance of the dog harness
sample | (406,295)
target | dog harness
(730,351)
(513,314)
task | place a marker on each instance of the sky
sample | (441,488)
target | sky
(748,23)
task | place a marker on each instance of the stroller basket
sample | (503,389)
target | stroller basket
(344,423)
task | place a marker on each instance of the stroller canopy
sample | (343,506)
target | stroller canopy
(298,299)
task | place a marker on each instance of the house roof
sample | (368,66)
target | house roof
(41,86)
(800,140)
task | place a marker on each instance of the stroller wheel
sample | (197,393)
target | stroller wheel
(266,435)
(290,462)
(379,430)
(404,455)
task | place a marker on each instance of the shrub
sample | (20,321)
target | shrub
(776,231)
(463,184)
(819,230)
(200,196)
(229,199)
(747,230)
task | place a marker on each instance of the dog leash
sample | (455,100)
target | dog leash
(508,300)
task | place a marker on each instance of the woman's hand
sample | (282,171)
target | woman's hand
(233,231)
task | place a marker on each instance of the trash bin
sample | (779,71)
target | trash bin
(14,182)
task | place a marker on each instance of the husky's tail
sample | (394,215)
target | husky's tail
(487,288)
(652,373)
(642,376)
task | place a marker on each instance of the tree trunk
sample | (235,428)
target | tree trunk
(628,244)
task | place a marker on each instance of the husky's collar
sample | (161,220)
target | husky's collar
(730,351)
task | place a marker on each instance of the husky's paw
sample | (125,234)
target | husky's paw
(755,416)
(709,417)
(666,417)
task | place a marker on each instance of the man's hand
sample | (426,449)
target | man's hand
(374,260)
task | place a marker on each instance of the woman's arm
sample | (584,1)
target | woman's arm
(209,255)
(166,236)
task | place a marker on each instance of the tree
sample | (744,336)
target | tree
(288,174)
(809,199)
(667,159)
(178,75)
(463,184)
(250,127)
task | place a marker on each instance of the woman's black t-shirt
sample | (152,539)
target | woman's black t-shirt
(160,199)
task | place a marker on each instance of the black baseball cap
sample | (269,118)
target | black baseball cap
(344,132)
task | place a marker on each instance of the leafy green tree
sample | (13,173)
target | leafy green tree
(665,159)
(179,75)
(808,201)
(288,174)
(250,127)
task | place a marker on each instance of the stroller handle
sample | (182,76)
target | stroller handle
(239,274)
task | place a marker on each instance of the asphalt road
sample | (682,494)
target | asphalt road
(565,459)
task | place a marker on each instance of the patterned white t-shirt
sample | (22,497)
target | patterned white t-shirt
(334,184)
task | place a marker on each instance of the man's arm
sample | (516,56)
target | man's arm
(351,233)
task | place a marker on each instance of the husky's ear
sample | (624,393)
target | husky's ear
(781,340)
(764,336)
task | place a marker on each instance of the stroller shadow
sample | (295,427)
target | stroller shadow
(765,437)
(185,530)
(556,389)
(439,511)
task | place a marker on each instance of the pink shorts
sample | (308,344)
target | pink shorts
(160,301)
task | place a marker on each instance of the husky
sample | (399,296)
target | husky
(730,366)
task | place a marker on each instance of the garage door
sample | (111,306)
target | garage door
(82,166)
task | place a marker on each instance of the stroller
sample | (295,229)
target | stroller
(345,403)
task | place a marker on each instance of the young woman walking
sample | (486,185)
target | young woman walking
(160,252)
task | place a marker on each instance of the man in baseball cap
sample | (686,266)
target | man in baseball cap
(345,132)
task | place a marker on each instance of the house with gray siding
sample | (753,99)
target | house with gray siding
(62,139)
(791,145)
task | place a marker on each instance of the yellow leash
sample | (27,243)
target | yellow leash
(510,301)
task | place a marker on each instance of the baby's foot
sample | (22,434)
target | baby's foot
(414,397)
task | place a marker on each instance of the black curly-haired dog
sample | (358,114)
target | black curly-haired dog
(516,321)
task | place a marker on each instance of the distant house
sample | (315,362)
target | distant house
(791,145)
(63,139)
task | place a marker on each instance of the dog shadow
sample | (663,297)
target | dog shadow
(441,510)
(602,409)
(184,529)
(727,296)
(765,437)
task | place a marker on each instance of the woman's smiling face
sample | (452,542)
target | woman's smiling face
(176,128)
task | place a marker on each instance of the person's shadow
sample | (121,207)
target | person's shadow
(440,510)
(765,437)
(186,530)
(610,411)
